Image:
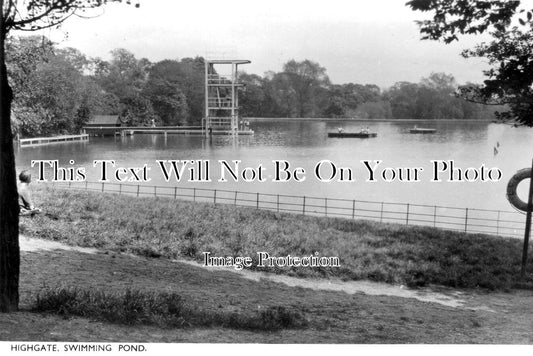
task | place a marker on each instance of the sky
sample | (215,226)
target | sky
(366,42)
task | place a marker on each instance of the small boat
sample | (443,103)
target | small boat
(421,130)
(352,134)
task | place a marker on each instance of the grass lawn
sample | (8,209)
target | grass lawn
(330,316)
(160,227)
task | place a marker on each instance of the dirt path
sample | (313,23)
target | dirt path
(450,298)
(31,245)
(339,312)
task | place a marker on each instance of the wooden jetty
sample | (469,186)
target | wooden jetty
(163,130)
(37,141)
(352,134)
(421,130)
(188,132)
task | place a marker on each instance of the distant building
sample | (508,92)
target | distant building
(104,121)
(103,125)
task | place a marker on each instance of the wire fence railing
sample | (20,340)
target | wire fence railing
(471,220)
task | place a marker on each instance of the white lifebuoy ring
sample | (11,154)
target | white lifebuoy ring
(513,184)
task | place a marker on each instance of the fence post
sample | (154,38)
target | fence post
(155,190)
(257,205)
(407,216)
(175,192)
(235,199)
(215,197)
(103,186)
(435,216)
(120,189)
(303,207)
(498,224)
(193,194)
(353,210)
(69,183)
(138,186)
(277,203)
(85,185)
(381,213)
(466,219)
(326,205)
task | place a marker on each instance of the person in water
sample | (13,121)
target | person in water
(25,201)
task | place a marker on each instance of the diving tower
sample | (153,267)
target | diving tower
(222,97)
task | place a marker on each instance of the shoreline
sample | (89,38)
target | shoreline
(356,120)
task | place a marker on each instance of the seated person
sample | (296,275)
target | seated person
(25,202)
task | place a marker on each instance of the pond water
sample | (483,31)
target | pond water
(304,143)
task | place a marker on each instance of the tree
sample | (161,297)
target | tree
(24,55)
(125,77)
(269,90)
(334,109)
(137,110)
(374,110)
(191,82)
(252,98)
(510,79)
(305,78)
(94,101)
(167,99)
(281,94)
(510,53)
(402,97)
(176,88)
(52,93)
(345,99)
(27,15)
(435,99)
(432,99)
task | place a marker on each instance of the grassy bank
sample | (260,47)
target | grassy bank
(167,310)
(320,316)
(158,227)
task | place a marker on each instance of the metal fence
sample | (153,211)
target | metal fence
(495,222)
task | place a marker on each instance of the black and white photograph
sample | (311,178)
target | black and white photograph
(247,176)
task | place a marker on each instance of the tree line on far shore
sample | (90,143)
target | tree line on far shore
(58,90)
